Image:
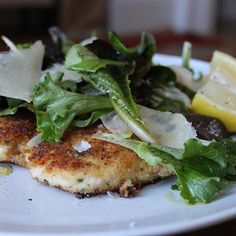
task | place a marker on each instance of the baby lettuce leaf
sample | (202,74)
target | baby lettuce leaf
(147,45)
(103,78)
(13,105)
(104,50)
(141,54)
(94,116)
(81,59)
(231,152)
(55,107)
(202,171)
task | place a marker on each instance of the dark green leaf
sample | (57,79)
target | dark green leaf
(161,75)
(81,59)
(168,105)
(103,50)
(14,105)
(197,187)
(95,116)
(141,54)
(230,147)
(147,45)
(13,102)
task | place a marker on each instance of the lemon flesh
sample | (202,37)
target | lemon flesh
(217,101)
(225,62)
(223,69)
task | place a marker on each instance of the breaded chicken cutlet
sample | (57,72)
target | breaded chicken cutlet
(103,167)
(15,132)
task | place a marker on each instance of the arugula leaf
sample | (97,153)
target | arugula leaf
(231,152)
(161,75)
(141,54)
(56,108)
(202,171)
(147,45)
(69,85)
(197,187)
(116,84)
(9,111)
(81,59)
(104,50)
(13,102)
(95,116)
(13,105)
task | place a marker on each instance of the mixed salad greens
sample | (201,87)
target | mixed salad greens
(81,83)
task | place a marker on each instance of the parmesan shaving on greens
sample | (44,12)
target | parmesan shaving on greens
(20,70)
(171,129)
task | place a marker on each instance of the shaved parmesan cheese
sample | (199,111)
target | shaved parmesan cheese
(20,70)
(88,41)
(83,146)
(36,140)
(113,123)
(10,44)
(171,129)
(68,74)
(185,77)
(174,94)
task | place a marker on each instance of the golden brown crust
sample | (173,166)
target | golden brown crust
(107,165)
(15,132)
(103,167)
(16,129)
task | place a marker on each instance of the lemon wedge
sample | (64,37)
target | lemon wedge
(223,69)
(217,98)
(217,101)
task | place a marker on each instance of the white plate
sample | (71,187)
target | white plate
(156,210)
